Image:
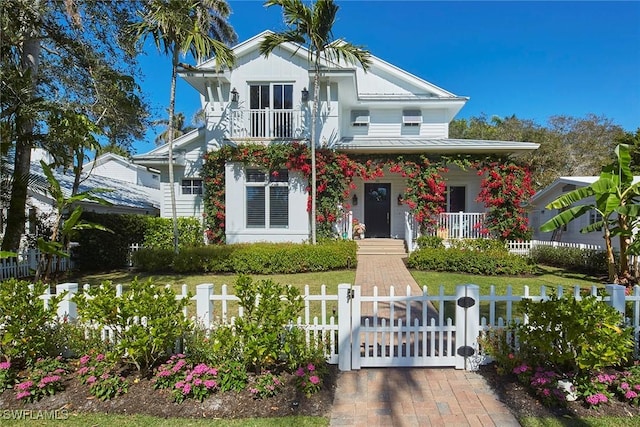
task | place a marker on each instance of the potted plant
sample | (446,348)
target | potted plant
(358,229)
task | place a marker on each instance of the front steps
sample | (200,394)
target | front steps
(381,247)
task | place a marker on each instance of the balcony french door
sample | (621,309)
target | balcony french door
(271,111)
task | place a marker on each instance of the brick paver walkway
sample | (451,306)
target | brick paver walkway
(405,397)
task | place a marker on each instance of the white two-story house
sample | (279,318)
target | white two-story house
(264,100)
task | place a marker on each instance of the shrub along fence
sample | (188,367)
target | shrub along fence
(329,318)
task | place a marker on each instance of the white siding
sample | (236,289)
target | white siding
(235,226)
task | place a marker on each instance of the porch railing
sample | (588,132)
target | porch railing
(268,124)
(411,231)
(344,224)
(461,225)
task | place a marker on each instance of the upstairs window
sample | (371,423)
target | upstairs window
(192,186)
(267,199)
(412,117)
(360,118)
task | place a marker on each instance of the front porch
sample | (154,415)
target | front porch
(460,225)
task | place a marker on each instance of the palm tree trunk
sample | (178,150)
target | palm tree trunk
(16,217)
(172,189)
(314,117)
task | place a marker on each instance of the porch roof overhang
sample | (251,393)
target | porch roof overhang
(433,145)
(158,160)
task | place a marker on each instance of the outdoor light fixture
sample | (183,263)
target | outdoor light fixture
(305,95)
(234,95)
(354,200)
(400,200)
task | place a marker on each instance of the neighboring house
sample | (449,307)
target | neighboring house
(114,166)
(539,214)
(124,196)
(384,111)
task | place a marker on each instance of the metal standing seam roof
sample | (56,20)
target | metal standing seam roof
(432,145)
(124,193)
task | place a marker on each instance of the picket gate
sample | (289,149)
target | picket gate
(408,330)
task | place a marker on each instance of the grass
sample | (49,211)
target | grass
(578,422)
(547,276)
(96,420)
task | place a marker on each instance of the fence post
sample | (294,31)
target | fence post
(344,326)
(617,301)
(467,326)
(204,305)
(67,308)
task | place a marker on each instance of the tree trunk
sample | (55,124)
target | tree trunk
(16,217)
(611,262)
(172,189)
(314,117)
(624,245)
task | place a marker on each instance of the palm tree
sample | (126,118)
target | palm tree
(312,27)
(179,128)
(198,27)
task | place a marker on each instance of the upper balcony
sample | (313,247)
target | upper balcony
(266,124)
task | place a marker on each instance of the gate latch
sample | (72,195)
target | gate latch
(350,294)
(466,302)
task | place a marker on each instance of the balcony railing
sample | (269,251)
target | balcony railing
(268,124)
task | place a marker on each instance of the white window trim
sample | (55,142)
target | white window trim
(199,188)
(267,184)
(360,118)
(412,117)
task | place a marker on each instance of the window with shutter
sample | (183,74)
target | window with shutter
(267,199)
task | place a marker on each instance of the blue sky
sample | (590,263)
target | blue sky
(531,59)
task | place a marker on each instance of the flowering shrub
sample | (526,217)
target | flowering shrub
(597,388)
(7,375)
(505,189)
(101,376)
(44,379)
(266,384)
(169,373)
(308,379)
(176,374)
(198,383)
(544,382)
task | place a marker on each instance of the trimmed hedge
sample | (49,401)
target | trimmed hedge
(490,262)
(254,258)
(101,250)
(586,261)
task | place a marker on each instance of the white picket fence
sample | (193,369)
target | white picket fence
(524,247)
(334,322)
(26,263)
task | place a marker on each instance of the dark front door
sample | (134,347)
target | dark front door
(377,210)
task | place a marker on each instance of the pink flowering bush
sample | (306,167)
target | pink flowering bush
(7,375)
(197,382)
(101,376)
(266,384)
(308,379)
(44,379)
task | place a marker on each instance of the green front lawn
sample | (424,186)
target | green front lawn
(81,420)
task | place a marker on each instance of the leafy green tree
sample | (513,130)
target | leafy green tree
(198,27)
(616,198)
(67,220)
(70,58)
(312,27)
